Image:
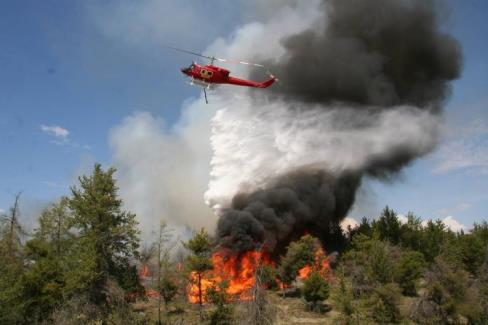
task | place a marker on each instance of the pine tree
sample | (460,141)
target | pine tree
(108,236)
(200,247)
(388,226)
(42,286)
(315,289)
(11,264)
(298,254)
(166,287)
(408,270)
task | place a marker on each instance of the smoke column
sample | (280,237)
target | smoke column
(363,84)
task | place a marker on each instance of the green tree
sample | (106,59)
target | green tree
(11,264)
(411,233)
(199,262)
(446,288)
(315,289)
(42,286)
(166,286)
(217,295)
(364,228)
(268,275)
(472,251)
(55,227)
(387,226)
(344,299)
(167,289)
(433,236)
(375,258)
(384,304)
(298,254)
(408,270)
(108,237)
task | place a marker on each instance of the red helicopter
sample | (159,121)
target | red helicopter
(206,76)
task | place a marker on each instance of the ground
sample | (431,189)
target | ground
(289,311)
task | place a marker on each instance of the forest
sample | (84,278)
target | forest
(84,263)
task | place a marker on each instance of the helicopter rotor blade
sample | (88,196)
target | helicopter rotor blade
(240,62)
(212,58)
(190,52)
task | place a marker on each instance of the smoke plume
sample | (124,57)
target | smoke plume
(363,83)
(374,52)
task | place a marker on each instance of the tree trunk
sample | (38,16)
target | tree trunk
(200,298)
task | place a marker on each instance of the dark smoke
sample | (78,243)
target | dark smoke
(371,55)
(302,201)
(371,52)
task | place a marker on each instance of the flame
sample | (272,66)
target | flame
(144,272)
(320,264)
(238,270)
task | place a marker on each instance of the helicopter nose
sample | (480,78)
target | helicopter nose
(185,70)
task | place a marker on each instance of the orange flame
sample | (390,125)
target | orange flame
(320,264)
(144,271)
(239,271)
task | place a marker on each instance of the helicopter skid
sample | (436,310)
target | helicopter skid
(201,83)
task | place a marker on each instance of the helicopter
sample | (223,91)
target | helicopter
(207,76)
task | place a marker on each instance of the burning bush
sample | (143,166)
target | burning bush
(239,270)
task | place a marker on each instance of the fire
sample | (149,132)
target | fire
(320,264)
(239,271)
(144,271)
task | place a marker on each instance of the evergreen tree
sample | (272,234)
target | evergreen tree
(433,236)
(198,262)
(408,270)
(108,237)
(388,226)
(411,233)
(384,304)
(315,289)
(166,286)
(11,264)
(298,254)
(344,300)
(42,286)
(472,251)
(217,295)
(364,228)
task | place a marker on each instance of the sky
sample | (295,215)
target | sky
(72,71)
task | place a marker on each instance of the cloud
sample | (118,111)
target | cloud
(450,223)
(467,150)
(402,218)
(60,136)
(349,223)
(56,131)
(453,224)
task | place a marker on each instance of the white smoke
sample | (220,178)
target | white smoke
(163,171)
(253,145)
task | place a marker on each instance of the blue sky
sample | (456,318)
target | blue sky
(61,67)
